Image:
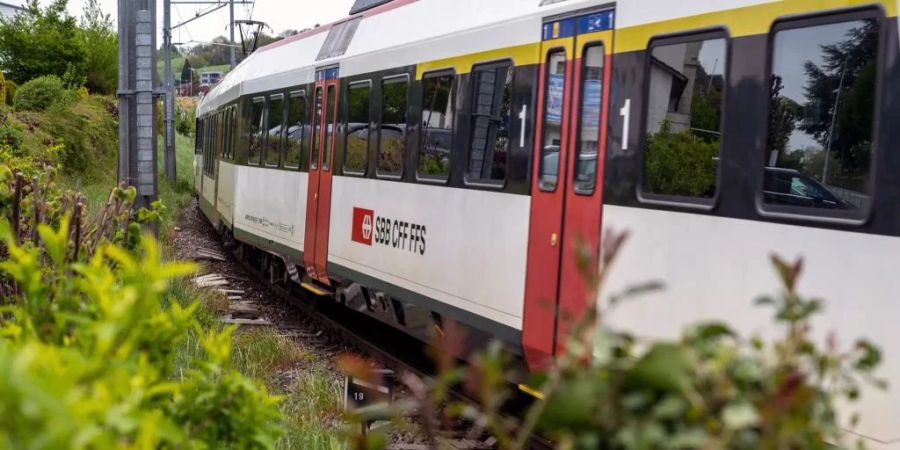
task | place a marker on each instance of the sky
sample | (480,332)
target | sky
(279,14)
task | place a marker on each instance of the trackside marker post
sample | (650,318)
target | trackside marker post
(377,388)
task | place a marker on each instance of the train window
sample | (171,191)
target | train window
(588,136)
(198,137)
(223,150)
(330,127)
(229,132)
(232,127)
(338,39)
(219,150)
(491,100)
(684,119)
(223,146)
(317,127)
(437,126)
(275,126)
(297,135)
(392,134)
(821,113)
(554,111)
(356,156)
(257,127)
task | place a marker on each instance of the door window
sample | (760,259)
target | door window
(317,127)
(554,109)
(586,151)
(329,127)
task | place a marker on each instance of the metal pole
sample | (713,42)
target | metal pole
(137,78)
(124,23)
(231,27)
(169,99)
(834,113)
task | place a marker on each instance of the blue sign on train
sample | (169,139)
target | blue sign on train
(587,23)
(595,22)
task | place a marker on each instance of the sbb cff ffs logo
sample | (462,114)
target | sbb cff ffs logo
(370,229)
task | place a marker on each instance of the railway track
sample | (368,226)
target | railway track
(389,347)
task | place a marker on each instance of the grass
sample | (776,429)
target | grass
(261,352)
(311,412)
(312,404)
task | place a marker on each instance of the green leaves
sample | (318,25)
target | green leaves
(665,367)
(88,348)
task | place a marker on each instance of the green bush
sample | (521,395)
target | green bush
(12,137)
(10,87)
(89,341)
(711,388)
(43,92)
(185,119)
(680,163)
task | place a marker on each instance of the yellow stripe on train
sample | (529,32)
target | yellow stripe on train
(744,21)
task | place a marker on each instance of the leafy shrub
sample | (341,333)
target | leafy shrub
(185,119)
(680,163)
(11,137)
(88,340)
(710,389)
(41,93)
(3,91)
(10,88)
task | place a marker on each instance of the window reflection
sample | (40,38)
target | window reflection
(316,130)
(329,128)
(393,126)
(554,109)
(256,130)
(357,153)
(276,115)
(822,90)
(491,104)
(589,127)
(684,118)
(297,131)
(437,126)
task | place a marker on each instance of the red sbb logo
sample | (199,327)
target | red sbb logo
(363,225)
(369,230)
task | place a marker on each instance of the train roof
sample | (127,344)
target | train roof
(391,34)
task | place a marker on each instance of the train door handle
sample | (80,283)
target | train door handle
(554,239)
(316,196)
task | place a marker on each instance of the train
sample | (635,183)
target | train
(434,162)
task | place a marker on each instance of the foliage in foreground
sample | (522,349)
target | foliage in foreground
(88,342)
(710,389)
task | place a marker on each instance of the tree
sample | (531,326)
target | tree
(40,41)
(840,97)
(101,49)
(784,115)
(186,70)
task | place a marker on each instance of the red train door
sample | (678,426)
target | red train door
(321,155)
(566,192)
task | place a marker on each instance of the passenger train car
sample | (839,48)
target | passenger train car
(435,161)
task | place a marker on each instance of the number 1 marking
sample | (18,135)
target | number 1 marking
(522,117)
(625,112)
